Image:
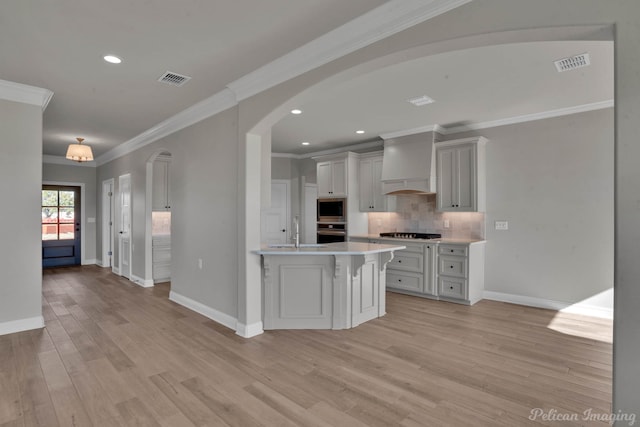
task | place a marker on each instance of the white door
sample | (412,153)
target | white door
(124,234)
(275,220)
(107,222)
(310,213)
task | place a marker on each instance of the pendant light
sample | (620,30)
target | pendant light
(79,153)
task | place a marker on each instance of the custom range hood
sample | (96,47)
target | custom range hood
(408,164)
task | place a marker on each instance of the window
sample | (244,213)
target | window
(58,214)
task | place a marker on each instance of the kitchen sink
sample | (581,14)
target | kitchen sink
(301,245)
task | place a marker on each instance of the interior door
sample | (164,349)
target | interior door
(275,219)
(310,213)
(60,226)
(124,235)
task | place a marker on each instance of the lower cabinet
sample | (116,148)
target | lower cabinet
(447,271)
(161,256)
(461,272)
(412,270)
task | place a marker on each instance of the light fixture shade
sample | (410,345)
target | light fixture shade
(79,153)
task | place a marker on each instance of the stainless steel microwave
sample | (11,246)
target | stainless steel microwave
(332,210)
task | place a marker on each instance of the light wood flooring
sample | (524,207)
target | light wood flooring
(115,354)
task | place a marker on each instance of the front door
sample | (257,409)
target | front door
(124,236)
(60,226)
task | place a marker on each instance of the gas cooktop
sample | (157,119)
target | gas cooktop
(411,235)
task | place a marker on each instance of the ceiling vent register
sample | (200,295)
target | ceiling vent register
(173,79)
(573,62)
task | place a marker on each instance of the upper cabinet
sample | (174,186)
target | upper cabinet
(332,177)
(370,182)
(460,171)
(160,199)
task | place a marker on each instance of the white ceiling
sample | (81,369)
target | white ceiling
(469,86)
(59,46)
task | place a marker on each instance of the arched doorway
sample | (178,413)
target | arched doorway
(258,139)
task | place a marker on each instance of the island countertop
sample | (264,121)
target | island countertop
(340,248)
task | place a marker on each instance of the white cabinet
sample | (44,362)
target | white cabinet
(161,255)
(160,196)
(332,178)
(412,269)
(461,272)
(460,171)
(337,177)
(370,183)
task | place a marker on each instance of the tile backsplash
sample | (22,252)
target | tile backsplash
(160,223)
(418,213)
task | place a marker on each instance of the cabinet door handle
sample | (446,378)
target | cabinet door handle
(399,261)
(451,266)
(399,280)
(451,249)
(283,230)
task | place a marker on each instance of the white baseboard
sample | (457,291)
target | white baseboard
(99,263)
(248,331)
(89,261)
(566,307)
(141,282)
(115,270)
(213,314)
(14,326)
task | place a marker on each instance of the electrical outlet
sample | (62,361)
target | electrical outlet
(445,223)
(200,263)
(502,225)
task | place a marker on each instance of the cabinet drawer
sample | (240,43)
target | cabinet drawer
(407,261)
(452,287)
(456,250)
(407,281)
(452,266)
(161,255)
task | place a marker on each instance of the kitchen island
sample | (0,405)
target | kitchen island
(329,286)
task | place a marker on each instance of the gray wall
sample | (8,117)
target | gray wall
(204,214)
(553,181)
(86,176)
(20,192)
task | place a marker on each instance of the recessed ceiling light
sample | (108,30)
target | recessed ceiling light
(360,131)
(421,100)
(306,143)
(296,111)
(112,59)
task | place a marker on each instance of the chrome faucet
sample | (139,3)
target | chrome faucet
(296,236)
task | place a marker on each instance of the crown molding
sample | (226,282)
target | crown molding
(413,131)
(583,108)
(17,92)
(531,117)
(59,160)
(353,147)
(377,24)
(211,106)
